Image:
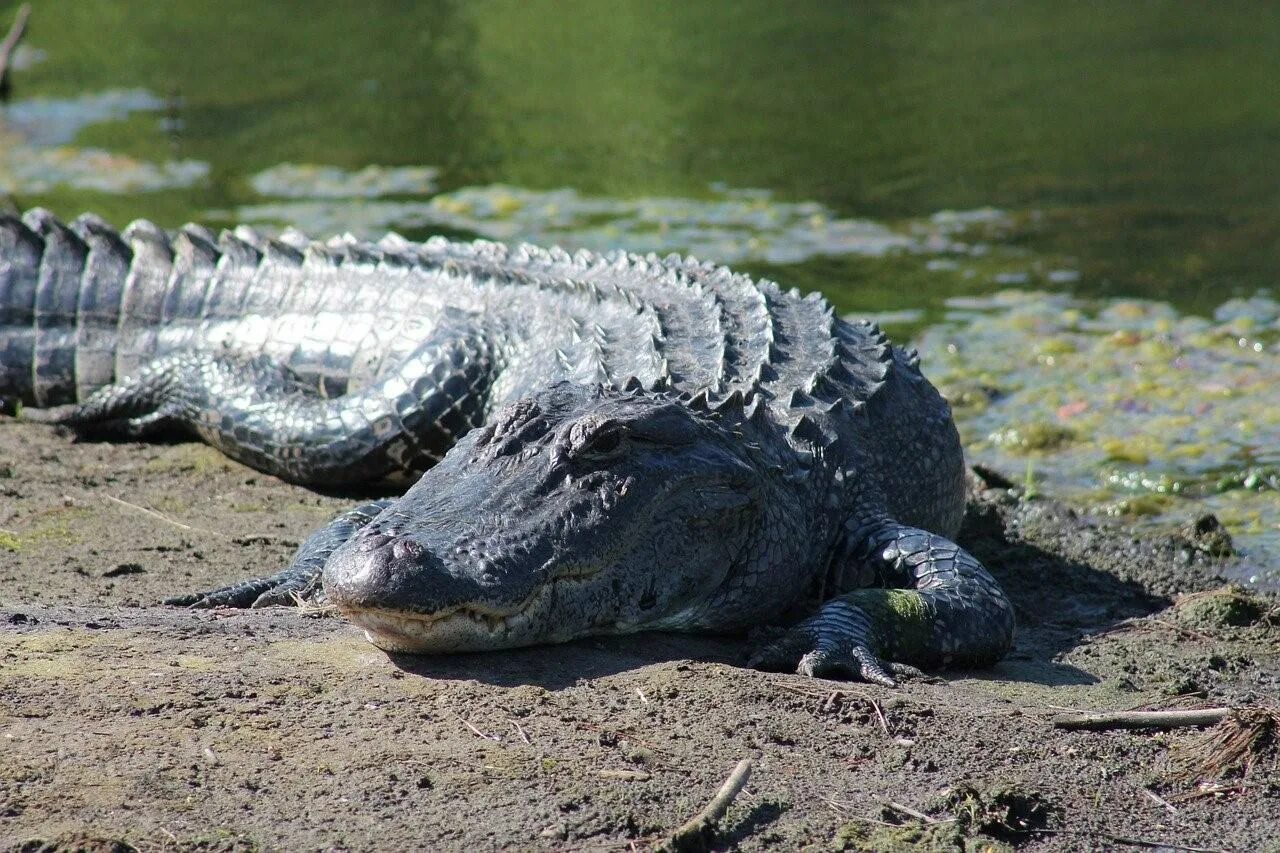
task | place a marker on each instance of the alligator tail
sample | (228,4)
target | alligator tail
(60,296)
(63,289)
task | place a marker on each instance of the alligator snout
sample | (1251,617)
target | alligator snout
(377,571)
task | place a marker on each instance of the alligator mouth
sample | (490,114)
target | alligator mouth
(422,634)
(466,627)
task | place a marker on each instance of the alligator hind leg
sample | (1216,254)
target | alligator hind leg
(301,580)
(255,410)
(933,604)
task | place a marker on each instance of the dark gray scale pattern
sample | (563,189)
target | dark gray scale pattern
(349,362)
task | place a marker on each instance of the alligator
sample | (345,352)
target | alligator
(603,443)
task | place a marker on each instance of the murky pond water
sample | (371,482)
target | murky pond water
(913,161)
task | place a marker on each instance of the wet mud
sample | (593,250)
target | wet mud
(126,724)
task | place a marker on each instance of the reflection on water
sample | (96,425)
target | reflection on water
(36,154)
(46,122)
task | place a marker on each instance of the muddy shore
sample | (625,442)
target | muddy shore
(123,722)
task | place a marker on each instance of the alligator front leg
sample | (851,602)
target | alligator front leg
(301,580)
(256,412)
(933,605)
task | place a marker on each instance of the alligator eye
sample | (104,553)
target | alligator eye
(603,444)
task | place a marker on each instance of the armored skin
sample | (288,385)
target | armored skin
(605,443)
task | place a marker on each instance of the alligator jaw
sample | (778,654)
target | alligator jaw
(459,630)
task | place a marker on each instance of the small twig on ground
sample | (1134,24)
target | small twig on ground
(876,821)
(836,806)
(251,539)
(791,688)
(1159,800)
(10,45)
(1142,719)
(1213,790)
(910,812)
(884,723)
(520,731)
(1181,629)
(158,517)
(310,608)
(691,832)
(477,731)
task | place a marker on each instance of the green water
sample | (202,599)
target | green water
(1103,149)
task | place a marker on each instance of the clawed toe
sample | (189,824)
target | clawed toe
(240,595)
(855,663)
(837,642)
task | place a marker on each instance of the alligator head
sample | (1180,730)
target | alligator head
(580,510)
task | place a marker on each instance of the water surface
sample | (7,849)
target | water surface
(899,157)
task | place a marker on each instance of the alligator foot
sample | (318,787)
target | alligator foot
(287,587)
(834,643)
(301,581)
(932,603)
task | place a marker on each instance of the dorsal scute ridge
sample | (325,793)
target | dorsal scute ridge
(194,245)
(52,231)
(235,250)
(20,244)
(731,405)
(366,255)
(295,238)
(394,241)
(252,236)
(280,253)
(88,225)
(318,257)
(97,234)
(144,236)
(198,231)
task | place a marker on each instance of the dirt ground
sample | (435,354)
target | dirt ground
(128,724)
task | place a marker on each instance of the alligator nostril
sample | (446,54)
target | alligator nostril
(406,549)
(373,542)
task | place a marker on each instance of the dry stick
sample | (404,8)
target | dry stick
(10,44)
(884,724)
(265,537)
(1142,719)
(520,731)
(910,812)
(1159,800)
(477,731)
(159,517)
(692,830)
(1212,790)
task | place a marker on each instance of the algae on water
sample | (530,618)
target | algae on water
(1140,411)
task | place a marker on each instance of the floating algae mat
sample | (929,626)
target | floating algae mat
(732,226)
(38,152)
(1126,407)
